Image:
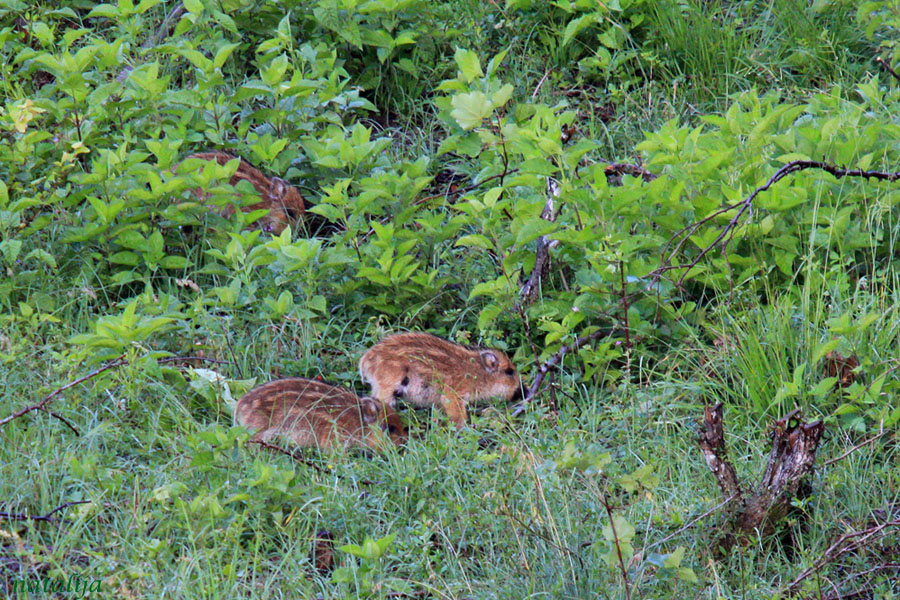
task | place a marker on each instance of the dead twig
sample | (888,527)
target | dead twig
(848,542)
(118,362)
(46,518)
(872,439)
(746,206)
(302,460)
(884,65)
(40,405)
(294,456)
(63,419)
(542,256)
(541,83)
(691,523)
(615,535)
(551,363)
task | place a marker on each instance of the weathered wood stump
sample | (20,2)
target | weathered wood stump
(794,446)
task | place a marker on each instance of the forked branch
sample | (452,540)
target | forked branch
(681,237)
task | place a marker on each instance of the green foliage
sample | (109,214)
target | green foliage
(881,19)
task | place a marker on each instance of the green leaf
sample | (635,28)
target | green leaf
(823,387)
(195,7)
(43,256)
(273,73)
(125,258)
(532,230)
(155,243)
(104,10)
(824,349)
(488,315)
(485,288)
(502,95)
(624,531)
(469,65)
(578,25)
(146,5)
(674,559)
(10,250)
(222,55)
(496,61)
(174,262)
(471,109)
(475,240)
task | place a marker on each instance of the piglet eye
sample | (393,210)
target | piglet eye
(510,371)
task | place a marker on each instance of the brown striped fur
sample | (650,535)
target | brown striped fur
(286,205)
(315,414)
(428,370)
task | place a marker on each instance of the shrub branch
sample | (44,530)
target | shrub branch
(746,207)
(848,542)
(551,363)
(542,256)
(47,518)
(118,362)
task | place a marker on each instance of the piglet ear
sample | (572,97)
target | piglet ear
(489,361)
(369,407)
(278,188)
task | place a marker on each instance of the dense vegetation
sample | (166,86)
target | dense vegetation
(430,138)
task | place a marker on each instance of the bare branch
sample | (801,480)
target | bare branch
(746,206)
(40,405)
(46,518)
(692,522)
(884,65)
(300,459)
(551,363)
(844,544)
(63,419)
(858,446)
(542,256)
(293,455)
(118,362)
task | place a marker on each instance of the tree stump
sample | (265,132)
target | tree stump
(794,446)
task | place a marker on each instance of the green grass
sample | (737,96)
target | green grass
(173,509)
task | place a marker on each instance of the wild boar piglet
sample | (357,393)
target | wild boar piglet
(313,413)
(427,370)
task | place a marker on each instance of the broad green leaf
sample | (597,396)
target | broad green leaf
(223,54)
(823,387)
(578,25)
(469,65)
(502,95)
(475,240)
(470,109)
(532,230)
(824,349)
(104,10)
